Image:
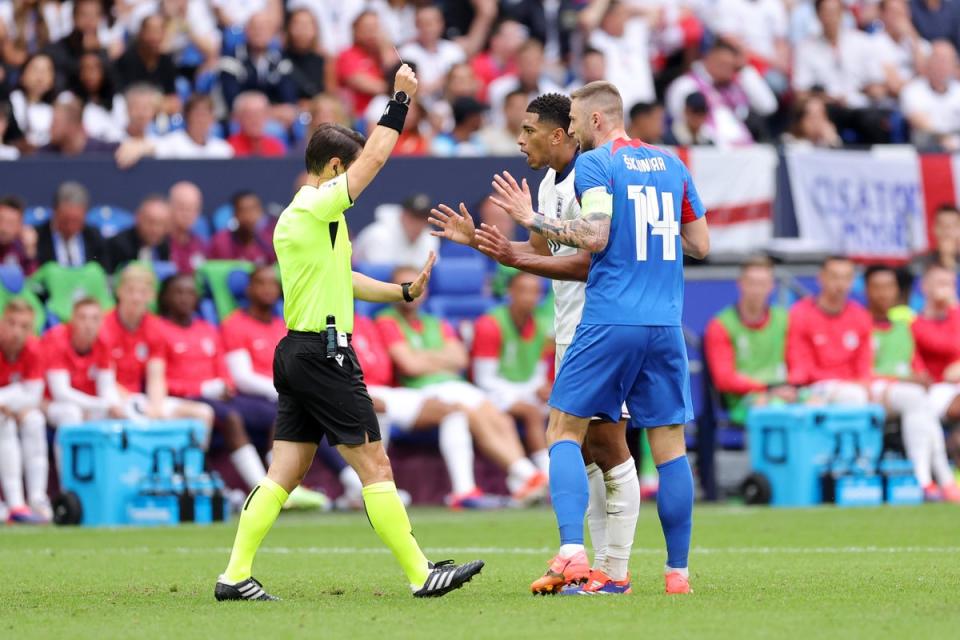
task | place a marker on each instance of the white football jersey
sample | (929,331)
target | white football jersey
(559,202)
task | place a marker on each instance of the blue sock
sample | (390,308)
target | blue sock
(675,508)
(569,491)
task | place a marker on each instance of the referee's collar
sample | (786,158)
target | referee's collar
(561,176)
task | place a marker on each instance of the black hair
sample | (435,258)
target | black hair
(165,288)
(332,141)
(947,207)
(874,269)
(105,93)
(643,108)
(13,202)
(724,45)
(553,108)
(240,195)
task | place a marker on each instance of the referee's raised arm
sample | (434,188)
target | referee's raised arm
(380,144)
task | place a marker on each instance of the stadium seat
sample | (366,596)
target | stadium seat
(382,272)
(163,269)
(237,282)
(457,308)
(13,285)
(201,229)
(208,311)
(369,309)
(62,286)
(223,218)
(109,220)
(35,216)
(453,250)
(459,277)
(214,277)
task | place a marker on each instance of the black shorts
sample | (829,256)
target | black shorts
(321,396)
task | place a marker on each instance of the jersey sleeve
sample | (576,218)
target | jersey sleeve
(486,338)
(800,356)
(448,332)
(390,331)
(691,207)
(721,358)
(331,199)
(33,368)
(231,335)
(592,171)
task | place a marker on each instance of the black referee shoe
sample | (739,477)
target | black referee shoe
(249,589)
(445,577)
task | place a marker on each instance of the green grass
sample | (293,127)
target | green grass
(757,573)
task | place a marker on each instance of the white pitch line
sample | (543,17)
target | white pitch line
(484,550)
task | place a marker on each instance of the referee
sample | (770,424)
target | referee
(315,371)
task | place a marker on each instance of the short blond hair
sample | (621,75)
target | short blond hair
(137,273)
(601,96)
(17,305)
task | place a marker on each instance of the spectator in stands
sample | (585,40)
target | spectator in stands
(251,110)
(194,141)
(81,383)
(624,40)
(759,28)
(464,139)
(252,240)
(647,122)
(66,239)
(399,235)
(745,345)
(32,100)
(946,236)
(511,346)
(398,18)
(335,20)
(231,13)
(500,58)
(931,102)
(899,386)
(104,113)
(67,135)
(195,369)
(428,355)
(148,240)
(501,140)
(24,30)
(530,76)
(903,52)
(828,339)
(23,428)
(85,36)
(593,67)
(692,129)
(143,102)
(461,82)
(18,242)
(7,152)
(310,73)
(145,61)
(413,140)
(433,55)
(187,250)
(737,97)
(326,108)
(360,69)
(934,331)
(131,336)
(844,65)
(810,125)
(191,37)
(937,20)
(257,66)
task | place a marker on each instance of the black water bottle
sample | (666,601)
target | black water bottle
(331,337)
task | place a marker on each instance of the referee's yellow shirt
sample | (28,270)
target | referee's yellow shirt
(313,251)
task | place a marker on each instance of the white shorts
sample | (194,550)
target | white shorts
(839,392)
(561,350)
(403,405)
(456,392)
(506,398)
(61,413)
(941,396)
(137,405)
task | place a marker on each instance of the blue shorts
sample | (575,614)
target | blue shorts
(642,365)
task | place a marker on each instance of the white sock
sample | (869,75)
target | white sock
(541,459)
(352,487)
(518,474)
(384,423)
(938,456)
(915,428)
(597,514)
(248,464)
(11,469)
(456,448)
(36,458)
(623,509)
(684,571)
(570,550)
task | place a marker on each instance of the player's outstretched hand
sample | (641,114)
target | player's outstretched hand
(455,227)
(418,286)
(513,198)
(405,80)
(492,242)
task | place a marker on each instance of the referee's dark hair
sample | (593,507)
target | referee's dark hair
(332,141)
(553,108)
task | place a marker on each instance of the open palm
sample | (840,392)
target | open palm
(452,225)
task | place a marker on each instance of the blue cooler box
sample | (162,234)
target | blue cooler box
(794,446)
(124,472)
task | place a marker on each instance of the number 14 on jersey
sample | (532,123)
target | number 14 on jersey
(659,215)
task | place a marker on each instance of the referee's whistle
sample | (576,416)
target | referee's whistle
(331,337)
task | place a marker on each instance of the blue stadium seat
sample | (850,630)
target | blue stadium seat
(202,228)
(183,88)
(237,282)
(369,309)
(459,276)
(457,308)
(11,278)
(163,269)
(35,216)
(453,250)
(205,82)
(223,217)
(233,37)
(381,272)
(109,220)
(208,311)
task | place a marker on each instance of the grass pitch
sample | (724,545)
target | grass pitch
(757,573)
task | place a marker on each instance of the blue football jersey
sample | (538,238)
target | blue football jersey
(638,278)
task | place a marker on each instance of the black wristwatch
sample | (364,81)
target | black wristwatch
(401,97)
(405,287)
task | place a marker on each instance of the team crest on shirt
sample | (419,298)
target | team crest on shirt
(851,340)
(92,372)
(208,347)
(141,351)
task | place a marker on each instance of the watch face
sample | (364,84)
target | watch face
(401,97)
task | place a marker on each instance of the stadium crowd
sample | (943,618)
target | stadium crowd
(215,79)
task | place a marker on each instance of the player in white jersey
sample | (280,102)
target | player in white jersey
(611,471)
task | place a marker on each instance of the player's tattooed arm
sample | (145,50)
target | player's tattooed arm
(590,231)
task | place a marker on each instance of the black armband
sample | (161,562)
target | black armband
(394,116)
